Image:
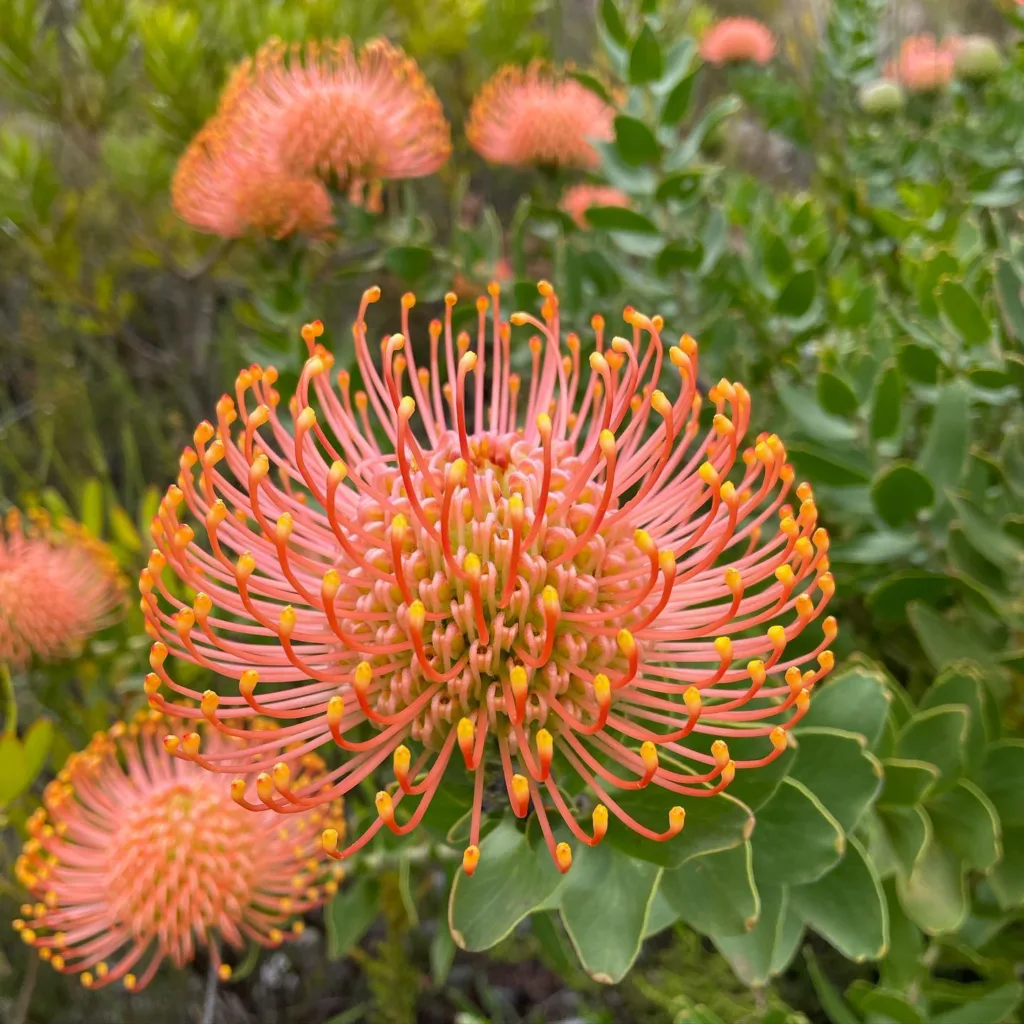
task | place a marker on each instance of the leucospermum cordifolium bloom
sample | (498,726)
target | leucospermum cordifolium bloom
(140,857)
(738,39)
(432,569)
(296,118)
(58,586)
(924,63)
(538,115)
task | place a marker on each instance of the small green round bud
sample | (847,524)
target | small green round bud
(978,58)
(881,97)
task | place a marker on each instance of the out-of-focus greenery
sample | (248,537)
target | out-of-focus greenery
(866,287)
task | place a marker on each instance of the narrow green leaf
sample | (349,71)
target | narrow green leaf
(607,932)
(831,1001)
(826,467)
(945,450)
(613,22)
(511,880)
(677,103)
(715,893)
(986,537)
(645,62)
(442,955)
(901,491)
(813,421)
(886,402)
(350,914)
(992,1008)
(91,505)
(1008,295)
(36,745)
(963,312)
(12,768)
(794,819)
(847,906)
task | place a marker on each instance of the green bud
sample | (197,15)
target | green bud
(978,58)
(881,97)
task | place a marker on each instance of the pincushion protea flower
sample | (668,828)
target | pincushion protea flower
(427,567)
(538,115)
(295,117)
(140,857)
(736,39)
(580,198)
(924,64)
(58,586)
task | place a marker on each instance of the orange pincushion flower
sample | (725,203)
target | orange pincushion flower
(538,115)
(736,39)
(58,586)
(580,198)
(924,64)
(140,857)
(291,119)
(433,570)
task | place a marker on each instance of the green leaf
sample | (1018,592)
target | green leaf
(607,931)
(663,915)
(1002,779)
(409,262)
(677,103)
(967,824)
(1008,296)
(888,600)
(876,548)
(795,299)
(880,1004)
(963,683)
(36,745)
(902,966)
(350,914)
(645,63)
(635,142)
(1007,878)
(825,467)
(795,820)
(992,1008)
(945,641)
(945,450)
(906,782)
(442,955)
(835,766)
(831,1001)
(777,260)
(91,505)
(811,418)
(613,22)
(715,893)
(886,402)
(936,736)
(718,823)
(986,537)
(619,218)
(13,777)
(836,396)
(847,906)
(855,699)
(933,895)
(679,255)
(750,954)
(123,529)
(511,880)
(899,492)
(787,940)
(963,313)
